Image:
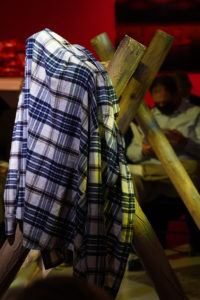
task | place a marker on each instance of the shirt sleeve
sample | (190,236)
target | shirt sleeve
(134,149)
(14,191)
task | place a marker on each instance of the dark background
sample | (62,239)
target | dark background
(180,18)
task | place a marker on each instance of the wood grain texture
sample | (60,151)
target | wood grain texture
(172,165)
(132,105)
(103,46)
(145,241)
(124,62)
(149,66)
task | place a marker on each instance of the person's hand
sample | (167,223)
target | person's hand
(147,150)
(175,137)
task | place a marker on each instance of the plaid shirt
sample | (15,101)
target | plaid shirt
(68,179)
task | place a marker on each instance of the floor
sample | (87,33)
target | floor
(137,285)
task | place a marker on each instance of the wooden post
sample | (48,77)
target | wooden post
(172,165)
(149,66)
(145,241)
(149,249)
(98,43)
(132,103)
(124,62)
(12,256)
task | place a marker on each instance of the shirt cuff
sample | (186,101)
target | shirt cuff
(10,223)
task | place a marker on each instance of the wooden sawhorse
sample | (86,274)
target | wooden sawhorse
(132,105)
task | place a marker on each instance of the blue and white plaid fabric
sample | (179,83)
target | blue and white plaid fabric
(68,179)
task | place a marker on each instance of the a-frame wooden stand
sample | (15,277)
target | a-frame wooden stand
(132,105)
(128,59)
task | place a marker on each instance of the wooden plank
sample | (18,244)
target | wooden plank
(145,241)
(131,103)
(150,64)
(103,46)
(154,259)
(124,61)
(172,165)
(12,256)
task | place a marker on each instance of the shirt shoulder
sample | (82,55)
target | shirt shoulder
(192,108)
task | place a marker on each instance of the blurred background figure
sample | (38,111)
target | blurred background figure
(185,87)
(58,287)
(180,122)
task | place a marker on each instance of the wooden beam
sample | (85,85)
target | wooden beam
(131,103)
(103,46)
(149,66)
(12,256)
(172,165)
(144,238)
(124,62)
(150,251)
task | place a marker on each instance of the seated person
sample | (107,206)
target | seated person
(184,87)
(180,121)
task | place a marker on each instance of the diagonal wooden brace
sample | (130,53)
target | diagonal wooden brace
(145,241)
(132,105)
(130,58)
